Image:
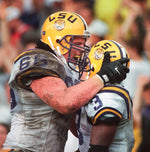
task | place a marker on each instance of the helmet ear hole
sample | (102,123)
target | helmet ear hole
(93,69)
(57,40)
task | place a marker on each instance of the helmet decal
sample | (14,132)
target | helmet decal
(59,25)
(72,20)
(98,54)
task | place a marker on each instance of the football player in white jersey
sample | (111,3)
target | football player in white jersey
(43,85)
(105,124)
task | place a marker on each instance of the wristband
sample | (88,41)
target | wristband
(101,79)
(104,78)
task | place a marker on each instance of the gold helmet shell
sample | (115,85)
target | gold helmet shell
(96,54)
(60,27)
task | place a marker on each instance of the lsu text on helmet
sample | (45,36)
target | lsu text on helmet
(96,54)
(59,30)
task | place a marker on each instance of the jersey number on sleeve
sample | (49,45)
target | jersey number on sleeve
(96,102)
(40,60)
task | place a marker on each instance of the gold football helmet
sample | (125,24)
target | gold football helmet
(96,54)
(59,30)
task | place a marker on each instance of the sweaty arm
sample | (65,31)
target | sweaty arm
(40,71)
(54,92)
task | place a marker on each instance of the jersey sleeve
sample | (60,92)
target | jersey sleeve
(110,105)
(34,64)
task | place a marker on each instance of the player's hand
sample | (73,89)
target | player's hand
(113,72)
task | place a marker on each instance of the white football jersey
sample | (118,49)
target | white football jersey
(36,126)
(111,102)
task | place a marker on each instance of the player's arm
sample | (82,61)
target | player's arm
(55,93)
(41,72)
(101,137)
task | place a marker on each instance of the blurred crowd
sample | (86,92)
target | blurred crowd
(125,21)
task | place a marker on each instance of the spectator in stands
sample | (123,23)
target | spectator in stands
(137,63)
(11,30)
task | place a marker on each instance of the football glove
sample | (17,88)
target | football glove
(113,72)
